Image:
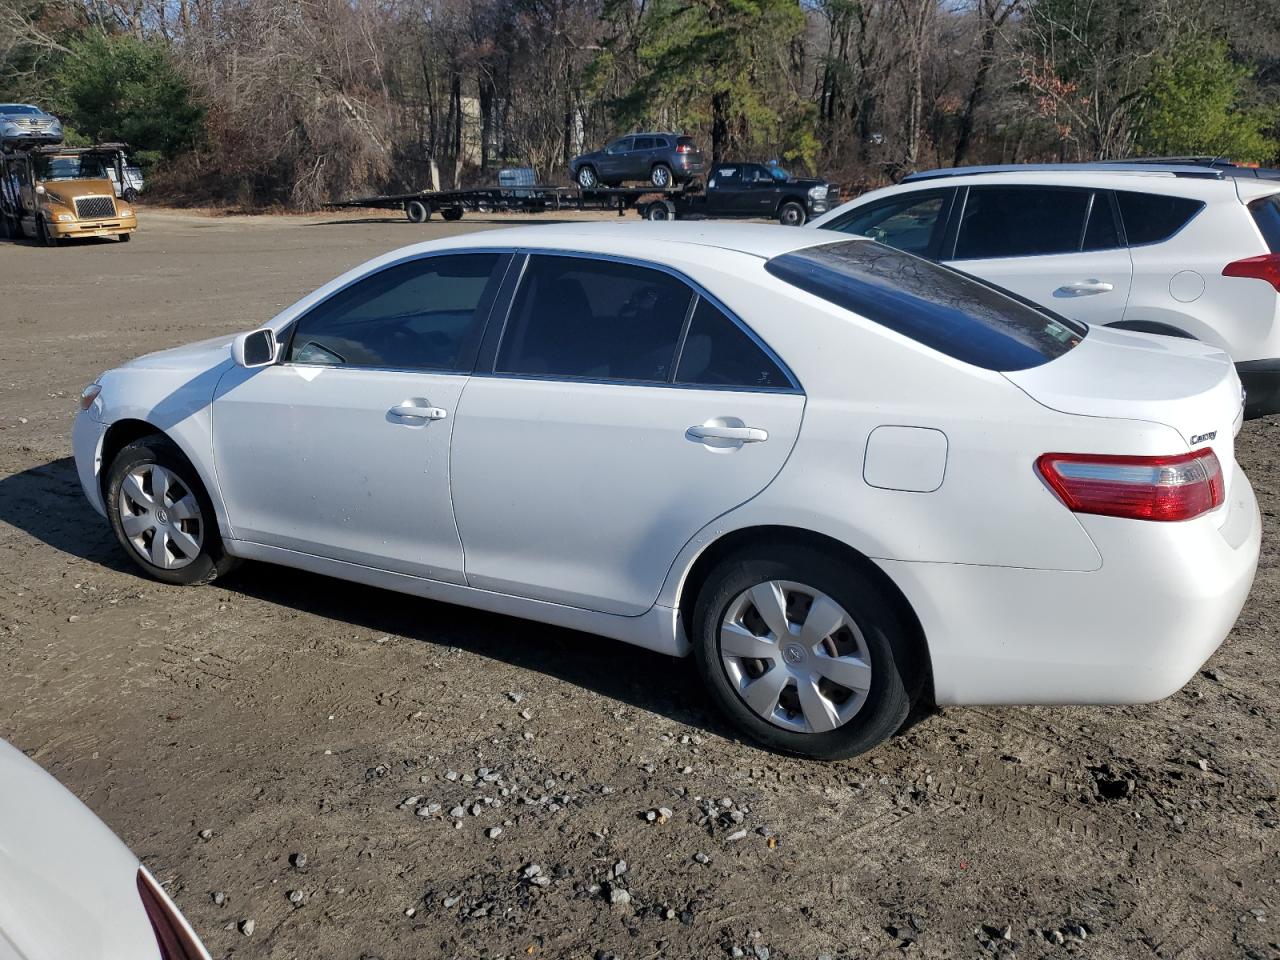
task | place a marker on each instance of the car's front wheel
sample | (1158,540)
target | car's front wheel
(804,653)
(791,214)
(660,176)
(587,179)
(162,515)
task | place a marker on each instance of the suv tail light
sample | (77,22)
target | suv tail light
(683,148)
(174,936)
(1139,488)
(1265,267)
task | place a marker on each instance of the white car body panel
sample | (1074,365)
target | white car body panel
(1093,286)
(585,505)
(68,886)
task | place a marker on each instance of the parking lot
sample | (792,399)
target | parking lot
(264,744)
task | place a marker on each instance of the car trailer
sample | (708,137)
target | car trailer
(420,206)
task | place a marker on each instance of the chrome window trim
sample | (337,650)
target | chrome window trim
(697,289)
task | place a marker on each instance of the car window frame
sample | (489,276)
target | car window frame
(953,237)
(500,316)
(942,230)
(466,360)
(1155,243)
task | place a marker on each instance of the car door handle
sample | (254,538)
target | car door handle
(737,434)
(414,411)
(1084,288)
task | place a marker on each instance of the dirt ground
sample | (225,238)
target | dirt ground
(291,715)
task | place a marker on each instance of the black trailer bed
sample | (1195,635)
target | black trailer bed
(450,204)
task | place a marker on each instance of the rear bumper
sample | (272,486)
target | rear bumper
(1133,631)
(1261,380)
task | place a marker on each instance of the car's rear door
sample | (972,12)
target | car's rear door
(1058,246)
(726,190)
(622,411)
(341,449)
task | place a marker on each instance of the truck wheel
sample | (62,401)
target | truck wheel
(791,214)
(660,176)
(124,237)
(46,236)
(587,178)
(131,194)
(417,211)
(658,210)
(5,230)
(451,214)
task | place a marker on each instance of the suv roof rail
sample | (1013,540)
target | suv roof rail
(1098,166)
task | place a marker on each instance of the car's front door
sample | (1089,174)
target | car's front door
(1058,246)
(614,160)
(341,449)
(760,199)
(914,221)
(621,413)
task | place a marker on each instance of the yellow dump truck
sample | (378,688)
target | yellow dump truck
(54,193)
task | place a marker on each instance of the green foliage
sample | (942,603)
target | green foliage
(117,87)
(725,62)
(1195,104)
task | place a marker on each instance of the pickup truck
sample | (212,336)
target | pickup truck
(745,190)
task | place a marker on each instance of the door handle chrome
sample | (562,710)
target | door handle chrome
(1083,288)
(737,434)
(412,411)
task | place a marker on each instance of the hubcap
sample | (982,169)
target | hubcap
(660,177)
(795,656)
(161,517)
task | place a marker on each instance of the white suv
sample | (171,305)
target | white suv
(1176,249)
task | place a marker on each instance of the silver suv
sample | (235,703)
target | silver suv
(27,123)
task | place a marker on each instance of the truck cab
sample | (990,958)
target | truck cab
(59,193)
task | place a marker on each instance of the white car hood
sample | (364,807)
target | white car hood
(201,355)
(68,886)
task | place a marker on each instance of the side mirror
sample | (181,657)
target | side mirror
(254,349)
(40,189)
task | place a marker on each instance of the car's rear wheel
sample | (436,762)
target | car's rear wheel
(162,515)
(660,175)
(791,214)
(804,653)
(587,178)
(417,211)
(658,210)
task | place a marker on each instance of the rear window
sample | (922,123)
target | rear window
(1266,214)
(1152,218)
(931,304)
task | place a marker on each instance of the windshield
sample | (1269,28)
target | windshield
(934,305)
(18,108)
(82,167)
(778,173)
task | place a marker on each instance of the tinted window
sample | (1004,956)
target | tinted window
(1266,214)
(1151,218)
(1021,222)
(619,146)
(420,315)
(938,307)
(717,352)
(574,317)
(907,222)
(1100,233)
(644,143)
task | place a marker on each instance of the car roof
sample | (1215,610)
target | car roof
(753,239)
(1121,167)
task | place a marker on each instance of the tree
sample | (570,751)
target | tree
(118,87)
(1194,104)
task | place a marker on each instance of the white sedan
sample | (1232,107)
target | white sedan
(842,477)
(69,887)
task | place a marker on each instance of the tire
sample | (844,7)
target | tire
(791,214)
(6,231)
(192,549)
(131,194)
(851,720)
(658,210)
(586,177)
(417,211)
(452,214)
(660,176)
(124,237)
(44,234)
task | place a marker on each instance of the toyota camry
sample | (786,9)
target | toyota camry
(843,478)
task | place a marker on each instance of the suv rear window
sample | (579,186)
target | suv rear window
(1153,218)
(931,304)
(1266,214)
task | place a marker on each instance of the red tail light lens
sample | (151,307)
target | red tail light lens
(174,936)
(1265,267)
(1139,488)
(684,148)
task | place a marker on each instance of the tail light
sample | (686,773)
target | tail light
(1138,488)
(684,148)
(1265,267)
(174,936)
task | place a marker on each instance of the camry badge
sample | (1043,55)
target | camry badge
(1203,438)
